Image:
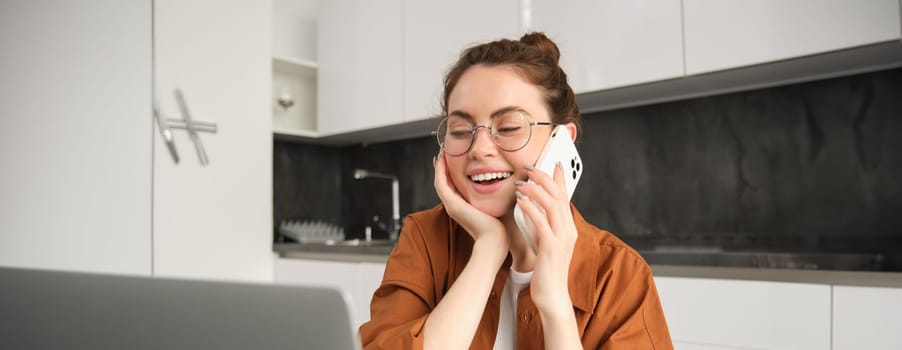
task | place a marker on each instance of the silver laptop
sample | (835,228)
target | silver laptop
(67,310)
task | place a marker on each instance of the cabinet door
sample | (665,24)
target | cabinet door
(693,346)
(722,34)
(611,43)
(866,318)
(359,280)
(214,221)
(369,278)
(435,33)
(359,85)
(713,313)
(75,135)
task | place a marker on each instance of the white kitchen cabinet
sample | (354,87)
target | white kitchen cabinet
(720,314)
(360,77)
(294,67)
(435,33)
(294,26)
(866,318)
(611,43)
(89,185)
(724,34)
(75,135)
(358,279)
(214,221)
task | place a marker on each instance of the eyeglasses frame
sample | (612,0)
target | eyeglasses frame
(475,129)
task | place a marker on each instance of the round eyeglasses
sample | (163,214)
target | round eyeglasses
(510,131)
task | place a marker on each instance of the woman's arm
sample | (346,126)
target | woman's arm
(556,236)
(453,322)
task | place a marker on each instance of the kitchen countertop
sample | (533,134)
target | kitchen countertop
(379,251)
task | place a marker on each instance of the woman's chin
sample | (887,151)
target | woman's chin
(493,207)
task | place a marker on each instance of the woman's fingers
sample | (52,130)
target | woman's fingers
(537,216)
(549,194)
(553,186)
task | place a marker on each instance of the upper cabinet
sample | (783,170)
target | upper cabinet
(381,65)
(729,34)
(435,33)
(360,81)
(294,67)
(611,43)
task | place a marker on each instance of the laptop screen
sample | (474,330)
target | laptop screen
(53,309)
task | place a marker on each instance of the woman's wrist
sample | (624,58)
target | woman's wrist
(560,308)
(491,246)
(559,327)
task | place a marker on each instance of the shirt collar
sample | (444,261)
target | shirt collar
(584,264)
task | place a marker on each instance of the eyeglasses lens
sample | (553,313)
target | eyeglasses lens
(510,132)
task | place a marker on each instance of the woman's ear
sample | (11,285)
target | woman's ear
(572,128)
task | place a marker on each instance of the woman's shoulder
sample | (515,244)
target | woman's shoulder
(436,213)
(432,225)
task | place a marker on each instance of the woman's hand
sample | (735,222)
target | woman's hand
(556,236)
(478,224)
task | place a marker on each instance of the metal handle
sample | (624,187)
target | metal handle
(198,126)
(192,128)
(166,126)
(165,132)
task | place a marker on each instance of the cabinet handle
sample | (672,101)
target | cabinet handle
(199,126)
(192,127)
(165,131)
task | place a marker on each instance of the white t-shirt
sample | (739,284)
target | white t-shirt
(507,319)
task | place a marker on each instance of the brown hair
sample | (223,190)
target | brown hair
(535,57)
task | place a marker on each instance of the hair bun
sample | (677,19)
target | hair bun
(543,43)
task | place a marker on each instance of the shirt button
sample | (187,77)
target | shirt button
(492,295)
(527,317)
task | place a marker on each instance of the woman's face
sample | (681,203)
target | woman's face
(481,92)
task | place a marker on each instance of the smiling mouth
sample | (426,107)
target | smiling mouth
(490,178)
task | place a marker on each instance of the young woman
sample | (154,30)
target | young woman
(463,276)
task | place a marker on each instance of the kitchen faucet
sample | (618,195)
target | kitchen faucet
(395,215)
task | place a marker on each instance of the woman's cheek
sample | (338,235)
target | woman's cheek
(460,183)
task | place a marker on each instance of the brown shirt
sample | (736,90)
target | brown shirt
(611,287)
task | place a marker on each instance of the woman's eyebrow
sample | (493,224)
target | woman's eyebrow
(495,114)
(461,114)
(509,109)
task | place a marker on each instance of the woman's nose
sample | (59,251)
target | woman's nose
(483,143)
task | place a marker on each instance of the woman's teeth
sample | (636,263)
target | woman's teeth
(490,176)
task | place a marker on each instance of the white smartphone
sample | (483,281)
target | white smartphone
(559,148)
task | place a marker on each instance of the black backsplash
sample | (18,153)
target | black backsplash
(813,167)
